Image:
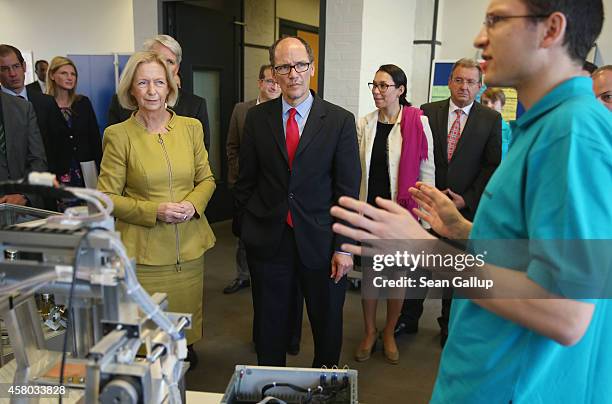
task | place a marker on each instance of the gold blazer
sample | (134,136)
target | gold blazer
(140,170)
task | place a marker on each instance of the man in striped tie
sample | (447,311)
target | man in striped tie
(467,150)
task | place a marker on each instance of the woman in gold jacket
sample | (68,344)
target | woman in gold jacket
(155,169)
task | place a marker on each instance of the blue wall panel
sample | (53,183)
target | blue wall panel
(97,81)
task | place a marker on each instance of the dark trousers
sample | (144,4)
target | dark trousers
(295,331)
(274,284)
(412,310)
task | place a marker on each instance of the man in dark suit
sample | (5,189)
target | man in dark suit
(40,85)
(187,104)
(268,90)
(298,156)
(467,150)
(21,147)
(51,125)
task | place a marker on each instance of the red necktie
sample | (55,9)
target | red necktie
(454,135)
(292,138)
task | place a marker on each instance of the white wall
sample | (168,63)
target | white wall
(605,38)
(343,30)
(260,29)
(387,36)
(145,21)
(57,27)
(459,25)
(303,11)
(361,36)
(421,54)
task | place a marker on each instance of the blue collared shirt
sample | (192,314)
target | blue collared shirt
(303,110)
(23,93)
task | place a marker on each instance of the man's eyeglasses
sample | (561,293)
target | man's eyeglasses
(382,87)
(299,67)
(492,19)
(459,81)
(270,82)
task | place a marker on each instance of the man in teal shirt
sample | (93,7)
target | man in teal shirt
(549,187)
(554,185)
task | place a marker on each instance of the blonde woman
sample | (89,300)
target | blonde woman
(83,141)
(396,150)
(155,169)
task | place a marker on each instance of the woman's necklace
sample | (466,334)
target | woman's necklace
(382,118)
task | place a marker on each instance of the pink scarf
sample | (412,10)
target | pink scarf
(414,151)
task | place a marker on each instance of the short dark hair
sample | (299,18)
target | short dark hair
(7,49)
(584,22)
(468,64)
(262,71)
(399,79)
(272,49)
(39,62)
(495,94)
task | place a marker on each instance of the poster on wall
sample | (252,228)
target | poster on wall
(439,90)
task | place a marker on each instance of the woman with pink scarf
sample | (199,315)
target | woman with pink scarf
(396,150)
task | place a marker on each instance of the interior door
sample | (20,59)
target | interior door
(210,33)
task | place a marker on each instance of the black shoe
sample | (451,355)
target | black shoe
(293,350)
(192,357)
(236,285)
(406,328)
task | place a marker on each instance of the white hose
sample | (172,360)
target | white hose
(34,282)
(140,296)
(95,198)
(174,392)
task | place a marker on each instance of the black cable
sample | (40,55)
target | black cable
(327,393)
(75,265)
(17,187)
(275,384)
(322,393)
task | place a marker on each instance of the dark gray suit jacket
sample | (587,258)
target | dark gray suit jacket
(234,138)
(25,151)
(476,157)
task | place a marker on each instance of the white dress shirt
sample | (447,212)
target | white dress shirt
(23,94)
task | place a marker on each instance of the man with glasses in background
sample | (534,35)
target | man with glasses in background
(268,90)
(298,155)
(467,150)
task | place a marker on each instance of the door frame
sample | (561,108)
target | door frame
(165,25)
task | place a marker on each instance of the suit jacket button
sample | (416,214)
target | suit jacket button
(291,195)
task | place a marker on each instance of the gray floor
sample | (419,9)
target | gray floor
(227,336)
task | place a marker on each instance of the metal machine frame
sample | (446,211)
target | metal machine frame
(111,319)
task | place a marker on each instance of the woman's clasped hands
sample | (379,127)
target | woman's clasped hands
(172,212)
